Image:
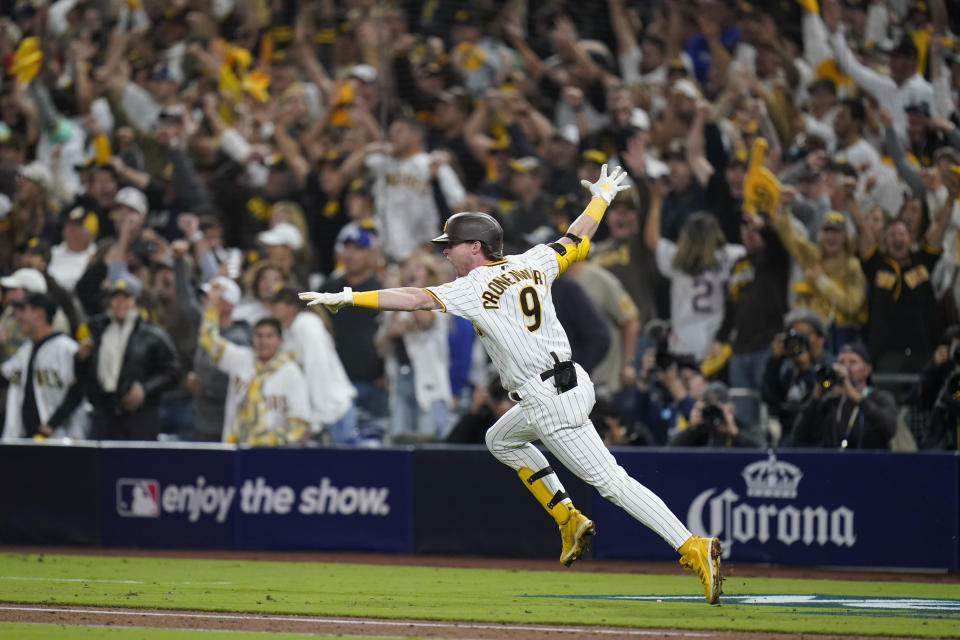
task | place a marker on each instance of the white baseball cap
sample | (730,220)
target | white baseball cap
(38,172)
(639,119)
(570,133)
(687,88)
(284,234)
(29,279)
(364,72)
(133,198)
(231,290)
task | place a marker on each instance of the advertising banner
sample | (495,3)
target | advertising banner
(221,497)
(168,497)
(354,499)
(796,507)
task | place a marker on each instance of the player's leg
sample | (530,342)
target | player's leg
(582,451)
(509,441)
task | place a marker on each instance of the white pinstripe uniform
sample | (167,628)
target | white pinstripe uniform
(510,306)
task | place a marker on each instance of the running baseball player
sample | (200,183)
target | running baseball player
(43,398)
(508,301)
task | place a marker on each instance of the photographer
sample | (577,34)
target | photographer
(788,378)
(844,410)
(666,390)
(939,390)
(712,422)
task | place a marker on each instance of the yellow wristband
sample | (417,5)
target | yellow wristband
(596,209)
(368,299)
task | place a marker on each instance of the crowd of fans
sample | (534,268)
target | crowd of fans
(173,172)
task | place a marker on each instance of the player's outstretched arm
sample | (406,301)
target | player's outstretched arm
(398,299)
(604,190)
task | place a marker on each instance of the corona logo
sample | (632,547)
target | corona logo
(722,513)
(771,478)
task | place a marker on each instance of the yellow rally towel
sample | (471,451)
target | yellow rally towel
(27,60)
(761,189)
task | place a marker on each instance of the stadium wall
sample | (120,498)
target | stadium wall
(789,507)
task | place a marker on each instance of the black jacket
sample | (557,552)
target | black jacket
(149,359)
(829,420)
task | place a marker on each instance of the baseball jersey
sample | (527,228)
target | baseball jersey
(405,210)
(696,302)
(274,394)
(509,304)
(53,375)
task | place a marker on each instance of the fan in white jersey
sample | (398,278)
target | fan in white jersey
(698,267)
(43,398)
(268,403)
(509,303)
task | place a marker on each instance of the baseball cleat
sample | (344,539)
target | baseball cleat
(575,534)
(702,557)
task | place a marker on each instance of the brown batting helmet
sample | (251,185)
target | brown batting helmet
(471,226)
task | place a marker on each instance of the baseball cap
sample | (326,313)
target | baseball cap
(524,165)
(568,132)
(859,349)
(364,73)
(594,155)
(807,316)
(86,219)
(359,236)
(28,279)
(37,246)
(639,119)
(360,186)
(127,284)
(840,164)
(283,234)
(231,290)
(41,301)
(716,393)
(919,108)
(835,220)
(687,88)
(37,172)
(286,295)
(133,198)
(172,112)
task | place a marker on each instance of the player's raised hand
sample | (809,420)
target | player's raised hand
(332,301)
(607,187)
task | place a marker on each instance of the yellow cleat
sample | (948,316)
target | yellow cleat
(702,557)
(575,533)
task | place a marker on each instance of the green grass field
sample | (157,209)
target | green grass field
(482,595)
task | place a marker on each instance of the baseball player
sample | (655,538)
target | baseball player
(508,301)
(43,398)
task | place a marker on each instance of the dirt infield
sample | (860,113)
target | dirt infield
(201,620)
(207,621)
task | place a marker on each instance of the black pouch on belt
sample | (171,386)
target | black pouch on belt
(564,374)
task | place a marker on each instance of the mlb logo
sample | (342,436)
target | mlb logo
(138,498)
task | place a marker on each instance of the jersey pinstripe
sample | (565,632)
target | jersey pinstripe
(510,306)
(53,375)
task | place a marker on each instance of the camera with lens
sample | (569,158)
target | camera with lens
(795,343)
(827,377)
(664,359)
(712,417)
